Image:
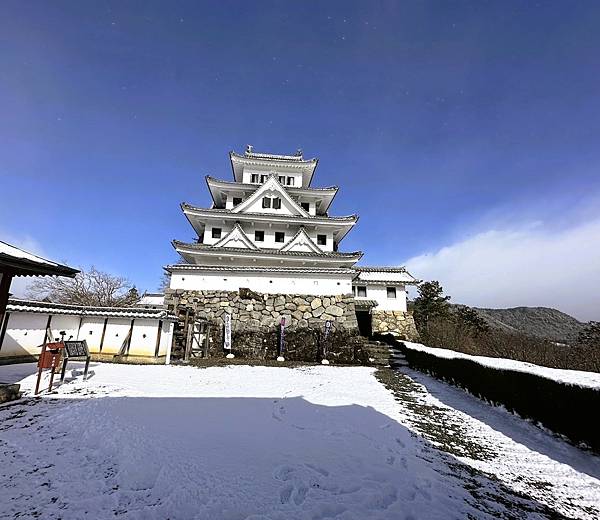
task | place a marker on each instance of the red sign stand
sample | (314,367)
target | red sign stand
(49,358)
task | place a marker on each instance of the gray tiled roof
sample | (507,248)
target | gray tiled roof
(275,252)
(16,305)
(370,269)
(259,269)
(348,218)
(290,188)
(365,303)
(272,157)
(19,262)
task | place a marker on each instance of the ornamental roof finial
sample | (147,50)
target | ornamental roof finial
(249,148)
(299,152)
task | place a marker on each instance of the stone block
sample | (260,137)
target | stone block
(316,303)
(334,310)
(317,311)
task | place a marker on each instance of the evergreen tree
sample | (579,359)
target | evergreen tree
(469,318)
(430,304)
(590,335)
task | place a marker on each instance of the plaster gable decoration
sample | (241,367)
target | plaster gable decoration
(236,238)
(301,242)
(271,188)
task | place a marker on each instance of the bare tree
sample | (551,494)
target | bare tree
(90,287)
(165,281)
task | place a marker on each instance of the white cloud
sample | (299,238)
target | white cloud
(533,265)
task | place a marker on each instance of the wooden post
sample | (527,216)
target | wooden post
(158,334)
(5,280)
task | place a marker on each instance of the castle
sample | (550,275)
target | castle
(269,234)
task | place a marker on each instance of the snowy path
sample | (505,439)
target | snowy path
(254,443)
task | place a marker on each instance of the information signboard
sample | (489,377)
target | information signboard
(76,351)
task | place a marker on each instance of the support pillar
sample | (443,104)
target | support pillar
(5,280)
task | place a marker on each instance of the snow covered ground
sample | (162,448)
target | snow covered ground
(258,443)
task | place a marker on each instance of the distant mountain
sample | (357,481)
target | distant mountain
(542,322)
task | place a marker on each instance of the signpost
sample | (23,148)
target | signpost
(75,351)
(227,335)
(325,361)
(49,358)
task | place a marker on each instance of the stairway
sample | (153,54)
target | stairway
(382,355)
(397,358)
(378,353)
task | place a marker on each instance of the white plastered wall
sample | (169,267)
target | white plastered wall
(269,234)
(379,294)
(91,331)
(266,282)
(25,332)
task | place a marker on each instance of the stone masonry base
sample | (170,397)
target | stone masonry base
(398,323)
(255,319)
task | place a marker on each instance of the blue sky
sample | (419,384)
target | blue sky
(464,134)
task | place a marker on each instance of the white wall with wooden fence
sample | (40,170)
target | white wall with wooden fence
(127,334)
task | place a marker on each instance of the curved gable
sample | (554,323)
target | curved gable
(271,189)
(236,238)
(301,242)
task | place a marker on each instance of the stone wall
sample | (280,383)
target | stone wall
(255,320)
(400,324)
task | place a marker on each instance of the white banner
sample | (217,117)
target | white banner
(227,339)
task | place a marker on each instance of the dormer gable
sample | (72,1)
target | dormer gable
(271,190)
(301,242)
(236,238)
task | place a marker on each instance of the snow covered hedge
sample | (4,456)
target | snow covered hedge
(564,401)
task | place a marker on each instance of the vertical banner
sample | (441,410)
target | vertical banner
(227,338)
(281,336)
(326,335)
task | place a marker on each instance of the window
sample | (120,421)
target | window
(279,236)
(266,202)
(305,206)
(353,291)
(237,200)
(361,290)
(263,178)
(282,179)
(277,203)
(254,177)
(259,236)
(216,232)
(391,292)
(290,181)
(322,240)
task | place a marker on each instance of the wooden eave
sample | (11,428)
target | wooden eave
(197,216)
(198,250)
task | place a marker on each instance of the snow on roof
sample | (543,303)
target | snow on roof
(152,299)
(259,269)
(383,275)
(24,263)
(570,377)
(16,305)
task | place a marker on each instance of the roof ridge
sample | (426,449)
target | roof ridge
(207,247)
(228,211)
(295,188)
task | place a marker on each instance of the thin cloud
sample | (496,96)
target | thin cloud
(19,284)
(532,265)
